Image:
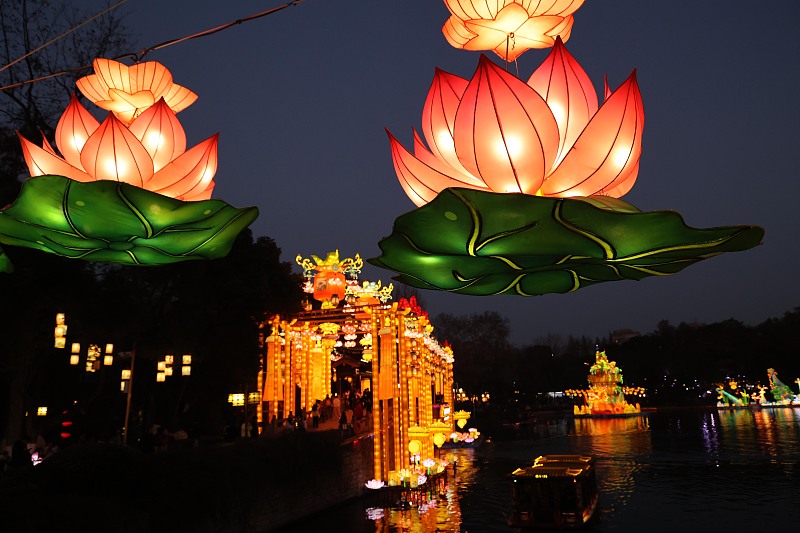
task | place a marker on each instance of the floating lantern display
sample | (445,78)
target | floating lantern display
(480,243)
(374,484)
(545,137)
(605,395)
(508,27)
(125,190)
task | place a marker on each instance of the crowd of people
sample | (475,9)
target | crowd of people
(351,411)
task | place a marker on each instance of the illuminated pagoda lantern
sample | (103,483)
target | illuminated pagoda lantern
(605,395)
(360,342)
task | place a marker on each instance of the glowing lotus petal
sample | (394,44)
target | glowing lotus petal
(161,134)
(546,137)
(504,132)
(42,162)
(439,115)
(112,152)
(189,175)
(607,153)
(569,93)
(128,91)
(508,27)
(74,128)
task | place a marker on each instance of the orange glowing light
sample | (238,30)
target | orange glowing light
(508,27)
(128,91)
(328,283)
(544,137)
(149,153)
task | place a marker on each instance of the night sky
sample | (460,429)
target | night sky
(302,97)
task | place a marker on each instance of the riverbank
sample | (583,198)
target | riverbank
(254,486)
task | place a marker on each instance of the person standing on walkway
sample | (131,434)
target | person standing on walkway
(315,415)
(337,407)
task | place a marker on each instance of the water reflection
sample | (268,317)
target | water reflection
(734,470)
(437,509)
(618,443)
(608,426)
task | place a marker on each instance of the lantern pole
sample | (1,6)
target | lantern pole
(128,401)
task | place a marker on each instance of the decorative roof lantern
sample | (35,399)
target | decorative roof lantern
(327,279)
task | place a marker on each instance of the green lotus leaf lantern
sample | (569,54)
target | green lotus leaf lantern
(482,243)
(117,222)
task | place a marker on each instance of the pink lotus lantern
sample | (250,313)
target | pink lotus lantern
(128,91)
(545,137)
(149,153)
(508,27)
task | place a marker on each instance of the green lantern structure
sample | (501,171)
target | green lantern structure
(117,222)
(482,243)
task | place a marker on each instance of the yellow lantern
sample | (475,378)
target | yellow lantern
(438,439)
(414,447)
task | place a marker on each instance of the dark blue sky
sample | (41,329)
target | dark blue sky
(301,99)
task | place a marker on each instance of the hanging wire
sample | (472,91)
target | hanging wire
(51,41)
(137,56)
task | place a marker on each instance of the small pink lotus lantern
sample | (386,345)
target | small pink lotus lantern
(128,91)
(508,27)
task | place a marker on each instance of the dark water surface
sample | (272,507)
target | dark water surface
(682,470)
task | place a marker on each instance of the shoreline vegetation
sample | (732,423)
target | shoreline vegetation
(218,488)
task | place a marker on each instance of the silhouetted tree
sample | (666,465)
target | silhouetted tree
(33,109)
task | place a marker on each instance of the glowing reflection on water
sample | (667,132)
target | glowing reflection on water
(733,470)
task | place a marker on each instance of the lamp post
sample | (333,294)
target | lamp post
(129,383)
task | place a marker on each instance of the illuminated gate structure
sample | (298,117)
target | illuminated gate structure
(407,371)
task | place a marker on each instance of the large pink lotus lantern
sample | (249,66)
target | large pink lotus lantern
(546,137)
(508,27)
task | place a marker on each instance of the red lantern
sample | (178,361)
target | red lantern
(327,284)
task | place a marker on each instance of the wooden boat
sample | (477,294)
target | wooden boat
(556,492)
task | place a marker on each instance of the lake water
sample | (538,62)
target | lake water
(675,470)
